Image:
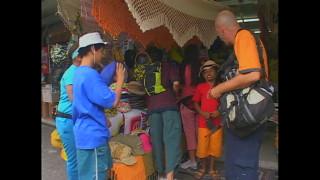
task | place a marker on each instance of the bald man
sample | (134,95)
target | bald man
(242,154)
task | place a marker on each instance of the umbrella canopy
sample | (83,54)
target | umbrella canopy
(183,18)
(165,23)
(114,17)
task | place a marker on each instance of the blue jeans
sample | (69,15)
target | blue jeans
(65,129)
(242,155)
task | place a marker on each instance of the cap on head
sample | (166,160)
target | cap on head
(90,39)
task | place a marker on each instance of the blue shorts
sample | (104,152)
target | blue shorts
(93,164)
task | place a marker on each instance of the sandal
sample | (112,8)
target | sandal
(214,174)
(199,174)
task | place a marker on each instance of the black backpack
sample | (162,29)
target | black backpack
(152,79)
(245,110)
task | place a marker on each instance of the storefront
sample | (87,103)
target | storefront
(53,35)
(122,37)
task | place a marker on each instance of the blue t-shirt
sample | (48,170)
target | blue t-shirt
(91,96)
(65,105)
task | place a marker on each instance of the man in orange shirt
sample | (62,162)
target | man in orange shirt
(242,154)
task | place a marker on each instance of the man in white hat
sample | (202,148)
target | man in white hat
(91,95)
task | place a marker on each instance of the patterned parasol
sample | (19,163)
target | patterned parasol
(163,23)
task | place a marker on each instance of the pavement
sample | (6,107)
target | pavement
(53,166)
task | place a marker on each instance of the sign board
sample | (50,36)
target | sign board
(45,60)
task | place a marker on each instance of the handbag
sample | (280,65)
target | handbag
(245,110)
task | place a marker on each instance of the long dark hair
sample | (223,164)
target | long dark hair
(190,56)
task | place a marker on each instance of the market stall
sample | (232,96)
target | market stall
(134,25)
(130,25)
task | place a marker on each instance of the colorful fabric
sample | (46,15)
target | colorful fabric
(148,164)
(141,60)
(117,123)
(136,171)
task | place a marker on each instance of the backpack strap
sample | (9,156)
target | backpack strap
(224,71)
(260,52)
(227,69)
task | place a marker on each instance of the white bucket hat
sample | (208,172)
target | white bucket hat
(90,39)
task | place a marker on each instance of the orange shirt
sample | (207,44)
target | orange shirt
(246,51)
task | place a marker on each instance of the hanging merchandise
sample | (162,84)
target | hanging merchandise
(176,55)
(141,60)
(117,54)
(203,55)
(74,31)
(58,53)
(127,44)
(124,105)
